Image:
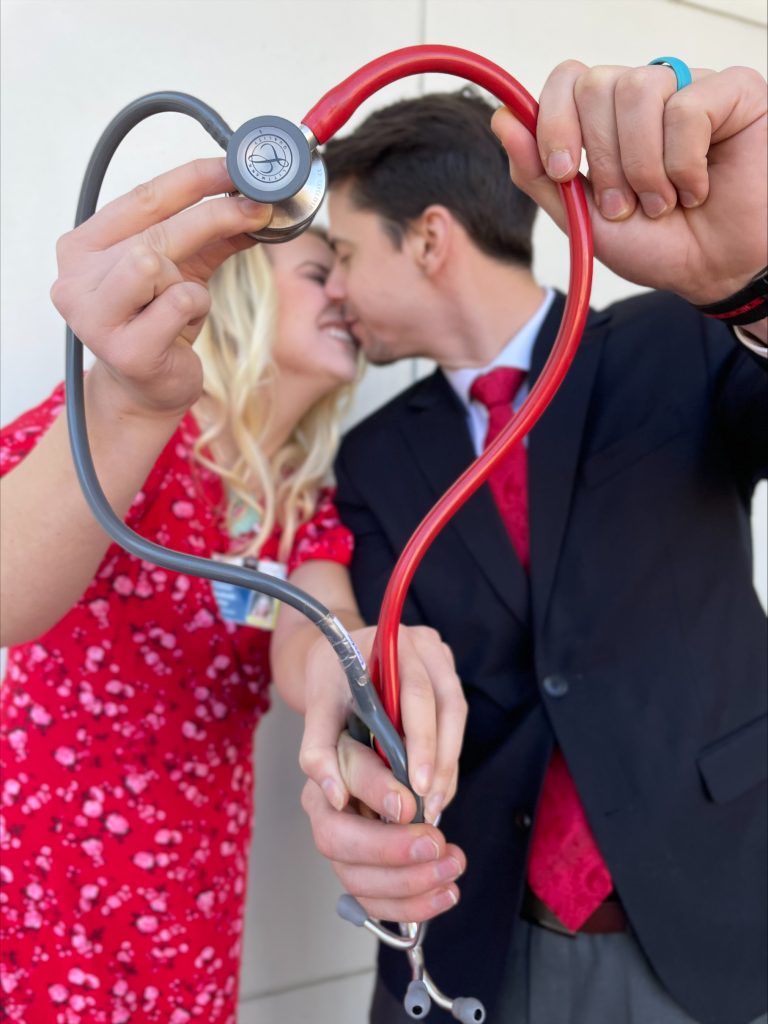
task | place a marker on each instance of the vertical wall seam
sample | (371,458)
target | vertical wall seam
(421,89)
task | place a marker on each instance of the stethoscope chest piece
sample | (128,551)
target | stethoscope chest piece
(271,160)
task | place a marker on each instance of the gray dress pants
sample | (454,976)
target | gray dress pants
(554,979)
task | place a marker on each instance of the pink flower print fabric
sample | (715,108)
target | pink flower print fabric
(126,738)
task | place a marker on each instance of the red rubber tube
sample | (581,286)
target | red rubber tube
(324,120)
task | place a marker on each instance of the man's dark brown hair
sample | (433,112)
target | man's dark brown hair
(439,149)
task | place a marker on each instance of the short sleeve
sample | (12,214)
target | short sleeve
(18,438)
(324,536)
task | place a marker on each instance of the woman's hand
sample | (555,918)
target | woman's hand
(132,281)
(433,711)
(676,177)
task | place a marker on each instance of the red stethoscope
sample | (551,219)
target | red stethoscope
(273,161)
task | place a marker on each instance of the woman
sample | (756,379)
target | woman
(132,694)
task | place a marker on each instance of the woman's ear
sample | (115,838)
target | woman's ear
(430,238)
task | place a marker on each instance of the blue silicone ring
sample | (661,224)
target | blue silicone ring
(681,69)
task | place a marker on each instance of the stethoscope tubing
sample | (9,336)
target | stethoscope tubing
(367,703)
(328,115)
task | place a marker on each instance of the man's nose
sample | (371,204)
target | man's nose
(334,285)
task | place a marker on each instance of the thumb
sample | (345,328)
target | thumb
(525,166)
(324,722)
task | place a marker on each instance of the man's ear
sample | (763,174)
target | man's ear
(430,238)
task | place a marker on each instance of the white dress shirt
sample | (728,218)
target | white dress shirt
(517,354)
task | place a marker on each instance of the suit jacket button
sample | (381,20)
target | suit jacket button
(523,821)
(556,686)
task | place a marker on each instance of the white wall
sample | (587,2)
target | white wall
(68,67)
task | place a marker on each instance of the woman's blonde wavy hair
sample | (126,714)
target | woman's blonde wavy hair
(235,346)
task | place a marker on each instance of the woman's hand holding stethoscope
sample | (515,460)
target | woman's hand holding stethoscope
(132,281)
(434,713)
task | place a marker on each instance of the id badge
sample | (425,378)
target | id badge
(247,607)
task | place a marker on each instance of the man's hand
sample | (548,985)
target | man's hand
(397,872)
(433,712)
(676,178)
(132,281)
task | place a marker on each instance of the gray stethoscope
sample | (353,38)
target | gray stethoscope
(273,161)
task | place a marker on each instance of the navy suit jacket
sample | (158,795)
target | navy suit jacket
(638,642)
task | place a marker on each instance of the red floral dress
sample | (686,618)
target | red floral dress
(126,738)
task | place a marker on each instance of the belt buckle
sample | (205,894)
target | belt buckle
(554,924)
(537,912)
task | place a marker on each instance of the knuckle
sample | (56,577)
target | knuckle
(199,168)
(322,840)
(569,68)
(144,259)
(749,78)
(418,686)
(155,237)
(603,163)
(307,801)
(311,760)
(457,704)
(684,170)
(593,83)
(307,760)
(59,296)
(412,884)
(146,198)
(554,131)
(681,109)
(633,81)
(182,300)
(639,172)
(64,246)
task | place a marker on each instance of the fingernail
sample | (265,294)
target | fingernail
(333,793)
(445,899)
(392,805)
(559,163)
(422,778)
(613,204)
(250,208)
(653,204)
(425,848)
(689,199)
(433,807)
(447,870)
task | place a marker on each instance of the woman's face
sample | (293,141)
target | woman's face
(312,336)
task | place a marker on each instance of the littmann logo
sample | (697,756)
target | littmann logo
(268,157)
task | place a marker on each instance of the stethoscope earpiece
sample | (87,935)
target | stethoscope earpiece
(271,160)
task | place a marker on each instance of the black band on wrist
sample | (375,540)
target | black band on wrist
(746,306)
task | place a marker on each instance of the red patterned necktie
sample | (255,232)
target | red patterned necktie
(565,869)
(508,482)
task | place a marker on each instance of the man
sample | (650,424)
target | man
(612,797)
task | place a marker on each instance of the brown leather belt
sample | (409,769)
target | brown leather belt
(609,917)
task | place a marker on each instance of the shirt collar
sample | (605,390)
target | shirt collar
(516,353)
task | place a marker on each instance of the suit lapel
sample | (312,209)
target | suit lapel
(443,450)
(553,451)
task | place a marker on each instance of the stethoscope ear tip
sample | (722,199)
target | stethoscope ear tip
(350,910)
(417,1002)
(468,1010)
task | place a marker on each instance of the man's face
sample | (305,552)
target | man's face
(383,289)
